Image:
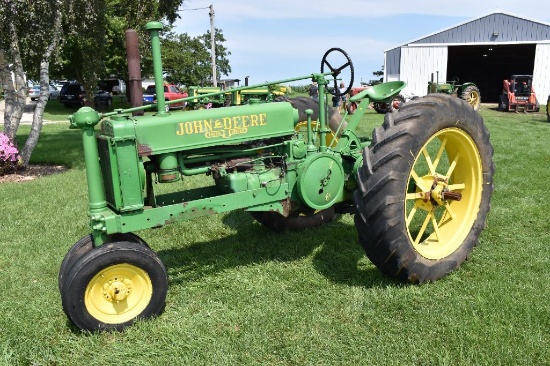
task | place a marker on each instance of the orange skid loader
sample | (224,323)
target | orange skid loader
(518,95)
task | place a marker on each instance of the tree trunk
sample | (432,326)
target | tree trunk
(16,90)
(37,120)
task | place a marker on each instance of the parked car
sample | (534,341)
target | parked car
(74,95)
(54,92)
(60,83)
(34,92)
(113,86)
(171,92)
(102,98)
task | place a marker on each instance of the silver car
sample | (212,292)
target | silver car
(54,92)
(34,92)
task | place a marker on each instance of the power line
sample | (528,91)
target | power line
(207,7)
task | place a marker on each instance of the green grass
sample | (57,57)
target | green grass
(239,294)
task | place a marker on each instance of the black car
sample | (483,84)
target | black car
(73,95)
(102,98)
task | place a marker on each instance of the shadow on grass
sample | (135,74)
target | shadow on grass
(335,252)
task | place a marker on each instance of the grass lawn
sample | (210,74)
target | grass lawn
(239,294)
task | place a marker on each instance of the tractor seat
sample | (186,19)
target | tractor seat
(380,92)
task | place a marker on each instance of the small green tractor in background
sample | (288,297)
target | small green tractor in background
(419,187)
(210,96)
(467,91)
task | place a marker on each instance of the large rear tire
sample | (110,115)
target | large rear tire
(425,188)
(303,103)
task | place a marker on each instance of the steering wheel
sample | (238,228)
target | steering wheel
(337,70)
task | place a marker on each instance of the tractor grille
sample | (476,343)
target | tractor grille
(106,170)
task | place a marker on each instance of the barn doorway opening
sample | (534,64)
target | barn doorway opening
(488,65)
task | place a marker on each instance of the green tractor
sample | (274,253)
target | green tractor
(467,91)
(208,97)
(419,187)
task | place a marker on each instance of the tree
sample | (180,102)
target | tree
(222,64)
(32,32)
(380,76)
(187,60)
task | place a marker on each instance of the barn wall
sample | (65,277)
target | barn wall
(418,64)
(391,67)
(541,72)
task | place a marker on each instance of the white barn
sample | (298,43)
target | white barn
(485,51)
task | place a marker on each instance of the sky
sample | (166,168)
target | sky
(272,40)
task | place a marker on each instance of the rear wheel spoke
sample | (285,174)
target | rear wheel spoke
(428,160)
(439,154)
(436,227)
(422,229)
(453,166)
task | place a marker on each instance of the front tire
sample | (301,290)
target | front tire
(113,285)
(83,246)
(425,188)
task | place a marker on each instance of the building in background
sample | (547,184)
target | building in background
(484,51)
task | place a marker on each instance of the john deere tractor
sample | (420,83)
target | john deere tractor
(419,186)
(467,91)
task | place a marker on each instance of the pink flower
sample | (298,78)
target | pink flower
(9,154)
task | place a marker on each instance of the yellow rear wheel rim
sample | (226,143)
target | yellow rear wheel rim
(118,293)
(444,193)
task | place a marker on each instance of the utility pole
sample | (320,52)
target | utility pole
(213,46)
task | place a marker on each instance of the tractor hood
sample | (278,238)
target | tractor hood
(189,130)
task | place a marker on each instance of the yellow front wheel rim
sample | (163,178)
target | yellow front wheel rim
(444,193)
(118,293)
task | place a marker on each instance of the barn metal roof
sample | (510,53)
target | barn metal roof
(496,27)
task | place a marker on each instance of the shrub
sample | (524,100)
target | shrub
(10,159)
